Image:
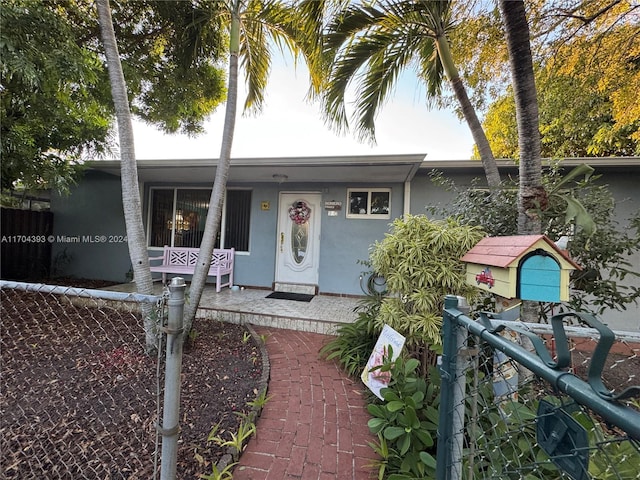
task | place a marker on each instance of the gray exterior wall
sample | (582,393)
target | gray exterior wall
(623,183)
(343,241)
(89,230)
(95,209)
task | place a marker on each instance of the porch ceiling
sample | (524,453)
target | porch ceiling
(353,169)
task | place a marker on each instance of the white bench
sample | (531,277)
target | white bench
(182,261)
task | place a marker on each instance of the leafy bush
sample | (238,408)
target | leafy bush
(406,423)
(577,205)
(355,341)
(420,260)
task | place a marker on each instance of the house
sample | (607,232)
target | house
(349,202)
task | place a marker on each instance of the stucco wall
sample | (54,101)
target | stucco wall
(89,230)
(345,241)
(623,184)
(257,268)
(94,209)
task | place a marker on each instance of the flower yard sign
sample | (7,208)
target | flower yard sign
(374,379)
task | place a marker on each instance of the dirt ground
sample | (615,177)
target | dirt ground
(78,391)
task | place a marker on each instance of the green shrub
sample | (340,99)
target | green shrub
(420,260)
(576,204)
(355,341)
(406,422)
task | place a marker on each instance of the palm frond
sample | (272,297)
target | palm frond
(255,60)
(371,46)
(265,23)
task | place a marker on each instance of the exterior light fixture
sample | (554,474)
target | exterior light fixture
(279,177)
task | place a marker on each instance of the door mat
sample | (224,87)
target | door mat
(298,297)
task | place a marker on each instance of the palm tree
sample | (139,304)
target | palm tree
(136,238)
(373,44)
(531,195)
(253,26)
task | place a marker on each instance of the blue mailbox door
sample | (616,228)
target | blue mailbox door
(539,278)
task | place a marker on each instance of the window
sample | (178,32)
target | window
(177,218)
(369,203)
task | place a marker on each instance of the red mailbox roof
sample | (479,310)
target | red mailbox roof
(503,251)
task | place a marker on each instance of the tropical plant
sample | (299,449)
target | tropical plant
(136,236)
(260,401)
(56,109)
(420,260)
(531,195)
(594,42)
(238,440)
(252,25)
(193,336)
(612,459)
(355,341)
(225,473)
(406,422)
(50,113)
(603,252)
(579,38)
(571,125)
(372,42)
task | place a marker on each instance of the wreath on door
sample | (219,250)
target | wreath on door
(299,213)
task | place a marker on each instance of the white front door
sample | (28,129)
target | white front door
(298,243)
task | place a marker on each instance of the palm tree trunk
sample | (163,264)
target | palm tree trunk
(219,184)
(136,238)
(469,113)
(532,195)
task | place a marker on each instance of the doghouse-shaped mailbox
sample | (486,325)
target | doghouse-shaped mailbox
(528,267)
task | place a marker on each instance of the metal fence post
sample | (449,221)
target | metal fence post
(447,374)
(170,419)
(459,383)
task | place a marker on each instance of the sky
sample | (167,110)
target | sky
(289,126)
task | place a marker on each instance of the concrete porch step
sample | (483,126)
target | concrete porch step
(305,288)
(323,314)
(314,325)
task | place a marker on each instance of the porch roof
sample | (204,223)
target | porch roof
(355,169)
(508,165)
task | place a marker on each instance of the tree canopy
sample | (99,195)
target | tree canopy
(55,104)
(52,105)
(254,26)
(575,121)
(587,74)
(586,105)
(369,45)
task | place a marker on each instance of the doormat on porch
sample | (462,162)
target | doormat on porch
(298,297)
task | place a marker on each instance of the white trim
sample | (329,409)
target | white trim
(368,215)
(407,198)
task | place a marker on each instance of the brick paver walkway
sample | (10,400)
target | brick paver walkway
(314,427)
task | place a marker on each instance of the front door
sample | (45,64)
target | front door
(298,243)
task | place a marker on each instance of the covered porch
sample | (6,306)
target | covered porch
(323,314)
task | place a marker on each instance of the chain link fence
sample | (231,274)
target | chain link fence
(79,389)
(566,410)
